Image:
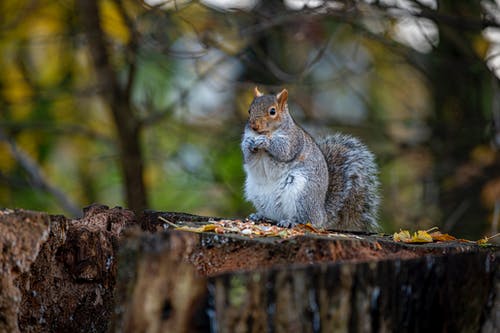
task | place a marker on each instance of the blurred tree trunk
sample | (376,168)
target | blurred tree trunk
(461,87)
(127,124)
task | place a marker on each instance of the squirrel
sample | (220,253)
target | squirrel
(292,179)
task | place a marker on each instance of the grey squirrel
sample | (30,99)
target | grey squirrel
(292,179)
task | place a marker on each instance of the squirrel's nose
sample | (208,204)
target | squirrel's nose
(254,126)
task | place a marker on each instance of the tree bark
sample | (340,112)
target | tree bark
(57,274)
(187,282)
(127,124)
(66,275)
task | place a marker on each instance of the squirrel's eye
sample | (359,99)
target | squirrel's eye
(248,111)
(272,111)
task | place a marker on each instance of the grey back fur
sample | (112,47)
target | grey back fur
(352,198)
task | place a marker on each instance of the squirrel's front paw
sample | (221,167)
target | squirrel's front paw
(288,223)
(255,217)
(261,142)
(253,144)
(250,145)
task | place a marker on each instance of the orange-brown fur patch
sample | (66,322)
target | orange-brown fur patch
(263,122)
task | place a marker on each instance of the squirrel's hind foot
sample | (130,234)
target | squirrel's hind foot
(287,223)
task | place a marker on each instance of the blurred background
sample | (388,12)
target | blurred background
(142,104)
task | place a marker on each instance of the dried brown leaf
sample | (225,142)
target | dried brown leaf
(439,237)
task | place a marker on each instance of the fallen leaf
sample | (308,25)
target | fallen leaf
(219,230)
(191,229)
(401,236)
(439,237)
(209,227)
(251,229)
(308,226)
(421,236)
(485,241)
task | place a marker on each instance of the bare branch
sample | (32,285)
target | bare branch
(427,38)
(345,15)
(37,177)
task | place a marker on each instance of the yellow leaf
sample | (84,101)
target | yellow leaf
(482,241)
(485,240)
(401,236)
(421,236)
(190,229)
(209,227)
(204,228)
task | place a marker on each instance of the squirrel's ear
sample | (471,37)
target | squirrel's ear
(282,97)
(256,92)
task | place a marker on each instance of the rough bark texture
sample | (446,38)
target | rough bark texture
(156,290)
(306,284)
(58,275)
(441,294)
(22,236)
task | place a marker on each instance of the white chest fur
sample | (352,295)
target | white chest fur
(273,187)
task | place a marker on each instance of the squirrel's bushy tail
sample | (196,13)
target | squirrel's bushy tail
(353,191)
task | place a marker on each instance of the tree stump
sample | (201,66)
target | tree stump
(109,271)
(179,281)
(57,274)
